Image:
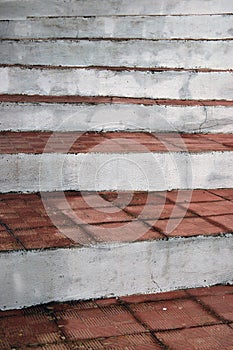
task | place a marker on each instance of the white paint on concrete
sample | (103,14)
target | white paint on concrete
(153,54)
(34,277)
(115,171)
(10,9)
(146,27)
(139,84)
(113,117)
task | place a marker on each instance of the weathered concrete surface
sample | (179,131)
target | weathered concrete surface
(24,8)
(33,277)
(116,171)
(112,117)
(94,82)
(153,54)
(130,27)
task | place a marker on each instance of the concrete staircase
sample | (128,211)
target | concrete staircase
(104,108)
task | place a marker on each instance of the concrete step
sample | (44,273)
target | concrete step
(120,27)
(154,54)
(58,246)
(34,161)
(202,315)
(120,83)
(14,10)
(123,115)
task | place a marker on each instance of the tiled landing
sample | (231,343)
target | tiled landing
(193,319)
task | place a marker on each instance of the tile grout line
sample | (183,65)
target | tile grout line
(147,328)
(210,310)
(11,232)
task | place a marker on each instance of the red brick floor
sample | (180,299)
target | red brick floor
(49,220)
(195,319)
(75,142)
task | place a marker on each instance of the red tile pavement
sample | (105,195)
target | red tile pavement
(76,142)
(110,321)
(186,227)
(215,290)
(221,304)
(226,220)
(222,193)
(172,320)
(48,220)
(162,211)
(196,196)
(212,208)
(218,337)
(171,314)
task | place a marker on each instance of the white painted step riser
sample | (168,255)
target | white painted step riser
(110,117)
(91,82)
(157,27)
(153,54)
(41,276)
(15,9)
(116,171)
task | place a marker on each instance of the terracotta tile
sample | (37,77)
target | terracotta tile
(209,338)
(79,201)
(94,216)
(140,341)
(212,208)
(72,305)
(221,304)
(36,142)
(221,138)
(123,232)
(100,217)
(8,313)
(59,346)
(224,220)
(225,193)
(124,199)
(42,238)
(193,196)
(186,227)
(94,323)
(106,302)
(29,329)
(134,299)
(8,242)
(162,211)
(215,290)
(172,314)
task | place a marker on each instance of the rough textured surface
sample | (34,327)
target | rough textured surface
(104,270)
(146,27)
(14,9)
(113,117)
(114,161)
(86,236)
(154,54)
(165,84)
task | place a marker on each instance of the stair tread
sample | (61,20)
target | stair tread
(68,219)
(110,142)
(124,322)
(158,54)
(148,27)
